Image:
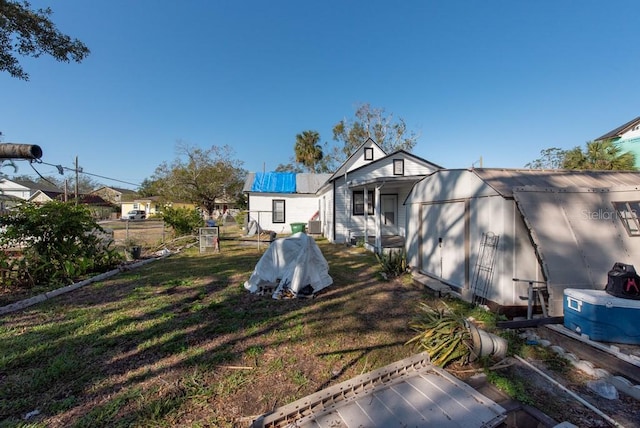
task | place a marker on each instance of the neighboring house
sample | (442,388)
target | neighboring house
(278,199)
(101,209)
(115,195)
(150,205)
(13,192)
(363,199)
(23,189)
(44,196)
(478,229)
(627,137)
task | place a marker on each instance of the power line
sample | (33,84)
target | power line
(61,170)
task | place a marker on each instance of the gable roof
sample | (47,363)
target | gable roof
(32,185)
(619,130)
(115,189)
(51,194)
(86,199)
(350,160)
(505,181)
(405,154)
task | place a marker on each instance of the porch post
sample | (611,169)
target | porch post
(366,216)
(376,212)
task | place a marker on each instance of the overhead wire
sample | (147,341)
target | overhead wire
(79,170)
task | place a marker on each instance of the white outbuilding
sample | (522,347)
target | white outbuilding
(489,233)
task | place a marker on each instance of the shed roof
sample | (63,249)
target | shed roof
(619,130)
(505,181)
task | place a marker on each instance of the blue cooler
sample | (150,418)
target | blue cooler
(601,316)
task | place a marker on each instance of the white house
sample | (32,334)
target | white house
(277,199)
(14,191)
(478,229)
(363,199)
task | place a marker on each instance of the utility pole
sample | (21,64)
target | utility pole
(77,175)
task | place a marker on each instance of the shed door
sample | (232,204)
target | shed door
(442,247)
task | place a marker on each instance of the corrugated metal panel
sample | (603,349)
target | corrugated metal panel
(578,237)
(310,183)
(505,181)
(410,392)
(248,181)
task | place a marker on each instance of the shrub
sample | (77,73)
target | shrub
(393,263)
(183,221)
(443,334)
(241,218)
(52,244)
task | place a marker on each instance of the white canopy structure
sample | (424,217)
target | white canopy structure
(293,266)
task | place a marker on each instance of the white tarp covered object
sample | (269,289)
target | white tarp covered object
(293,265)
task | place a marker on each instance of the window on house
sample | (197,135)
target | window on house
(358,202)
(277,210)
(398,167)
(628,214)
(136,206)
(368,153)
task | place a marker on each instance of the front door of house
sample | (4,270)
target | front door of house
(389,214)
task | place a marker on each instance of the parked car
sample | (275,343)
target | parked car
(135,215)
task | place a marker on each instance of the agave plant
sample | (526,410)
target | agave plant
(443,333)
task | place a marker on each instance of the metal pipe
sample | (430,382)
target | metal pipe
(571,393)
(20,151)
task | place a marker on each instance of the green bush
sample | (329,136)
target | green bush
(241,218)
(52,244)
(183,221)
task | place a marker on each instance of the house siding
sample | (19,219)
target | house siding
(298,209)
(348,225)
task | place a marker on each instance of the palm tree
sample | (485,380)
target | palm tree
(308,150)
(600,155)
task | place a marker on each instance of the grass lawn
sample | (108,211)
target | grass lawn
(180,342)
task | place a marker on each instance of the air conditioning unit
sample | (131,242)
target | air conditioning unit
(315,227)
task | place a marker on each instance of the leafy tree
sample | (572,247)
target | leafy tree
(308,150)
(551,158)
(200,176)
(61,242)
(28,32)
(373,123)
(599,155)
(149,188)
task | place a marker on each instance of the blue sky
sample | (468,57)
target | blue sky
(497,80)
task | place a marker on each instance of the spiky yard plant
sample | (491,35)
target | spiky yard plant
(443,333)
(392,264)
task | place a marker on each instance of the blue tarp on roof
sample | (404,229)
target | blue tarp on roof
(274,182)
